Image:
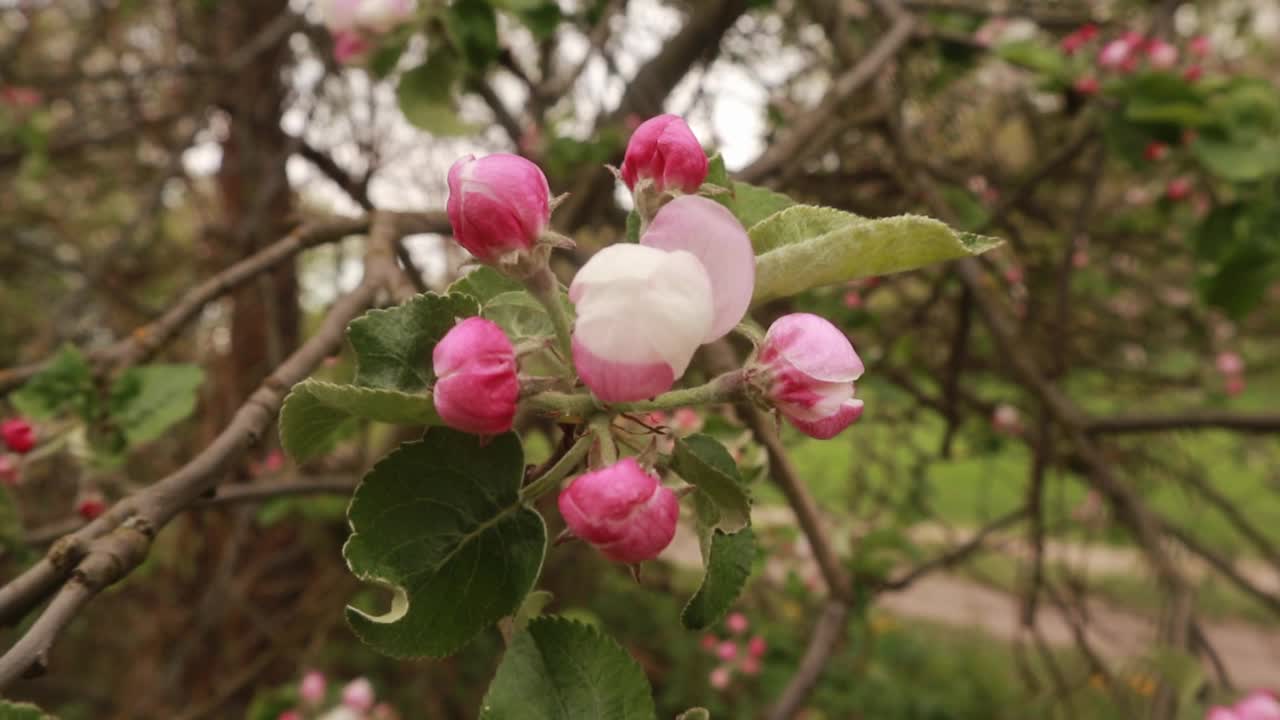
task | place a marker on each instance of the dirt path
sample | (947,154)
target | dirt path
(1251,653)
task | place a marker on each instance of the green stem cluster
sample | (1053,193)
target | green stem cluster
(725,388)
(550,480)
(545,288)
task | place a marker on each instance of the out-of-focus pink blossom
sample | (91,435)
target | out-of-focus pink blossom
(10,470)
(1006,420)
(1078,38)
(1233,385)
(1199,46)
(350,47)
(720,677)
(709,642)
(289,715)
(853,299)
(1155,151)
(1258,705)
(358,695)
(20,97)
(756,647)
(1161,54)
(90,505)
(1116,54)
(727,650)
(1178,188)
(737,623)
(1086,85)
(750,665)
(312,688)
(1193,73)
(1229,363)
(686,420)
(19,435)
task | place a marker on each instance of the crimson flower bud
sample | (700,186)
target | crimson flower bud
(18,435)
(1155,151)
(476,385)
(622,510)
(665,151)
(806,368)
(1086,85)
(1179,188)
(757,647)
(90,505)
(497,205)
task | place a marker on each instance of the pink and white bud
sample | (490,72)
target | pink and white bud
(720,677)
(737,623)
(665,151)
(712,234)
(1258,705)
(641,314)
(10,470)
(1119,53)
(1229,363)
(312,688)
(806,368)
(1199,46)
(18,435)
(374,16)
(622,510)
(90,505)
(350,47)
(498,204)
(1006,420)
(727,650)
(358,695)
(756,647)
(476,384)
(1161,54)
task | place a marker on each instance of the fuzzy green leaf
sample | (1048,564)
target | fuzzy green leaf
(65,384)
(393,346)
(804,247)
(148,400)
(559,668)
(728,567)
(316,413)
(703,462)
(440,521)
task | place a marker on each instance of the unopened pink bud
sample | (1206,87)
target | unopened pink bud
(373,16)
(289,715)
(10,470)
(476,384)
(1006,420)
(90,505)
(686,420)
(1179,188)
(756,647)
(1258,705)
(642,312)
(737,623)
(720,677)
(1229,363)
(712,234)
(358,695)
(727,650)
(312,688)
(498,204)
(806,368)
(350,47)
(1086,85)
(18,434)
(709,642)
(622,510)
(1162,55)
(1233,385)
(1155,151)
(750,666)
(852,299)
(1193,73)
(664,150)
(1115,54)
(1199,46)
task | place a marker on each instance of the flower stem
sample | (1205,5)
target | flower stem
(724,388)
(550,480)
(543,285)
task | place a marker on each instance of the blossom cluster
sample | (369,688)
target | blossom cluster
(1129,50)
(736,653)
(354,701)
(356,24)
(641,312)
(1257,705)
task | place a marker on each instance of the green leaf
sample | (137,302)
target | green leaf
(1164,98)
(22,711)
(393,346)
(1240,283)
(441,522)
(718,177)
(633,227)
(804,247)
(425,95)
(704,463)
(483,284)
(316,413)
(728,567)
(519,315)
(148,400)
(473,28)
(1238,162)
(560,668)
(65,385)
(533,605)
(1035,56)
(695,714)
(752,204)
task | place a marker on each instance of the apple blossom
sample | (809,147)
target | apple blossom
(358,695)
(1233,385)
(1161,54)
(708,230)
(737,623)
(476,384)
(1199,46)
(664,151)
(498,204)
(1155,151)
(1229,363)
(756,647)
(1115,54)
(312,688)
(806,368)
(1193,73)
(720,677)
(1179,188)
(350,47)
(90,505)
(622,510)
(1086,85)
(18,434)
(686,420)
(641,314)
(727,650)
(373,16)
(1006,420)
(1258,705)
(289,715)
(750,666)
(709,642)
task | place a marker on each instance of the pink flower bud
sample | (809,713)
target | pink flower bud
(642,312)
(20,97)
(1258,705)
(350,47)
(18,435)
(663,149)
(686,420)
(709,642)
(1086,85)
(1233,385)
(750,666)
(757,647)
(1229,363)
(90,505)
(1199,46)
(708,230)
(476,385)
(10,470)
(727,650)
(1161,54)
(1179,188)
(497,204)
(1006,420)
(807,368)
(853,299)
(622,510)
(358,695)
(1155,151)
(737,623)
(312,688)
(1115,54)
(289,715)
(720,677)
(1193,73)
